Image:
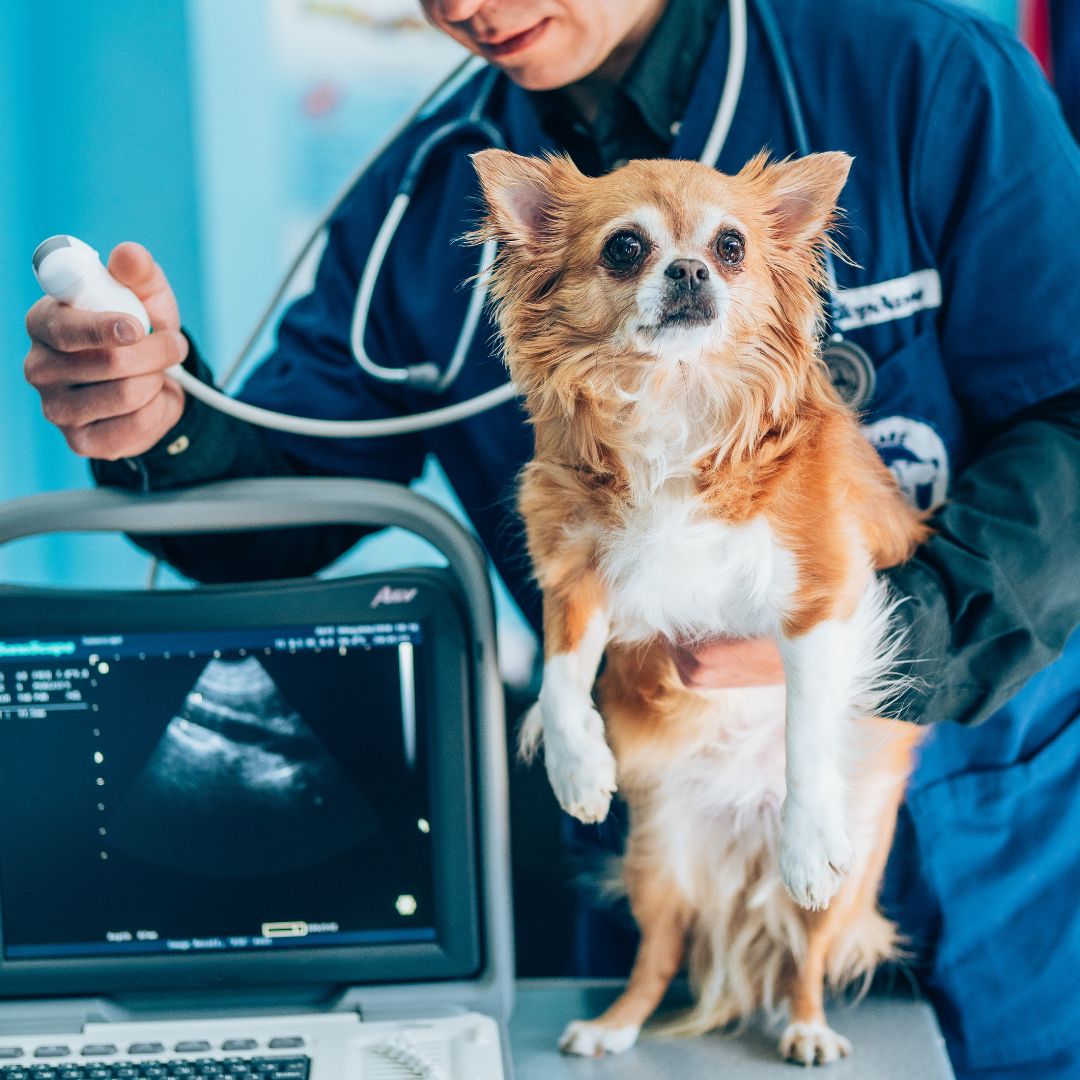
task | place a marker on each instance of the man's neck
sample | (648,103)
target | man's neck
(589,95)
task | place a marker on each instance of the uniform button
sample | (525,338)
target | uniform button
(676,127)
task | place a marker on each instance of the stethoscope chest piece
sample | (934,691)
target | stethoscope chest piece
(851,371)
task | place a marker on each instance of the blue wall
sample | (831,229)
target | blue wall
(95,140)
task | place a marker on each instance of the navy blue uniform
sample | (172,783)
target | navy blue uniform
(963,227)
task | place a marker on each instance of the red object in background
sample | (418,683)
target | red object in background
(322,99)
(1035,32)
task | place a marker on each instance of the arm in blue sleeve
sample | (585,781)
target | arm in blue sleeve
(311,372)
(992,598)
(206,445)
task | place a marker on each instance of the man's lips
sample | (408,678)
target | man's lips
(507,46)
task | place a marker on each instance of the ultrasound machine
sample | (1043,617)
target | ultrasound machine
(260,830)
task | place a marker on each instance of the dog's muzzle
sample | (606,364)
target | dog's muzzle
(689,299)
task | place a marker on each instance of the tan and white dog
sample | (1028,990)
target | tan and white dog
(694,477)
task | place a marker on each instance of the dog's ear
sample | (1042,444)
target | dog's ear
(523,194)
(804,193)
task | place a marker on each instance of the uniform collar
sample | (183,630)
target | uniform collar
(657,87)
(663,73)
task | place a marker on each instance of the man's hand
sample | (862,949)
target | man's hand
(729,662)
(101,379)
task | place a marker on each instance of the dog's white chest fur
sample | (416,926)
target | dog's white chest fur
(672,570)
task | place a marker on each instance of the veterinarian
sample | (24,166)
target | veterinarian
(963,213)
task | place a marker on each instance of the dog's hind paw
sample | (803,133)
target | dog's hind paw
(586,1038)
(812,1043)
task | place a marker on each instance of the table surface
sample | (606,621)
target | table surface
(893,1039)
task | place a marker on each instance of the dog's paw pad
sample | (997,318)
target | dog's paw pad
(586,1038)
(812,1043)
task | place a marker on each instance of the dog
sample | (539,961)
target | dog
(695,476)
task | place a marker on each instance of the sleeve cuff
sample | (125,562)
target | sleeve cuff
(192,451)
(920,619)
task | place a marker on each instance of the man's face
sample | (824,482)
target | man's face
(545,44)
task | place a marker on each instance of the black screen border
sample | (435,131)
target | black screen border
(446,691)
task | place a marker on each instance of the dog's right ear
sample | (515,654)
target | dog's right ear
(523,195)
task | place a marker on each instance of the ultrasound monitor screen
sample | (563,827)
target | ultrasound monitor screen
(251,789)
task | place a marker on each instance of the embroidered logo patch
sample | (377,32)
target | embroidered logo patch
(916,456)
(885,301)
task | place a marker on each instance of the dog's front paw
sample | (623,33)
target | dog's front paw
(582,775)
(579,762)
(813,1043)
(815,855)
(588,1039)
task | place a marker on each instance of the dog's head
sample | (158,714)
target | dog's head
(657,267)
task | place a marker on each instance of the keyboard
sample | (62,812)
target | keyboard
(257,1068)
(315,1046)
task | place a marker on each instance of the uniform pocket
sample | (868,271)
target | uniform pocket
(1001,849)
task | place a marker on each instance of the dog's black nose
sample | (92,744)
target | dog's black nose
(688,273)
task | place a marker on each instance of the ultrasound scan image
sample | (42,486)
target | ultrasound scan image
(239,785)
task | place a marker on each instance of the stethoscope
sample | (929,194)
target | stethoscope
(850,367)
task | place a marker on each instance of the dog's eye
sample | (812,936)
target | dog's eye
(730,247)
(624,250)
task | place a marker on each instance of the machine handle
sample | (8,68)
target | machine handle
(239,505)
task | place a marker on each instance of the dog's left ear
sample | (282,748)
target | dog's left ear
(805,191)
(523,194)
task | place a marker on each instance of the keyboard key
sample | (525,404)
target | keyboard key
(231,1045)
(286,1044)
(98,1050)
(280,1068)
(146,1048)
(193,1047)
(10,1051)
(52,1051)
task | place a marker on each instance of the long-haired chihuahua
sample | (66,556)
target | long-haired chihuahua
(695,477)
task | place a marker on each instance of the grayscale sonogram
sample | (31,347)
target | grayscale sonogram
(239,785)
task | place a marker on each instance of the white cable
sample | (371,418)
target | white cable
(342,429)
(733,80)
(403,1051)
